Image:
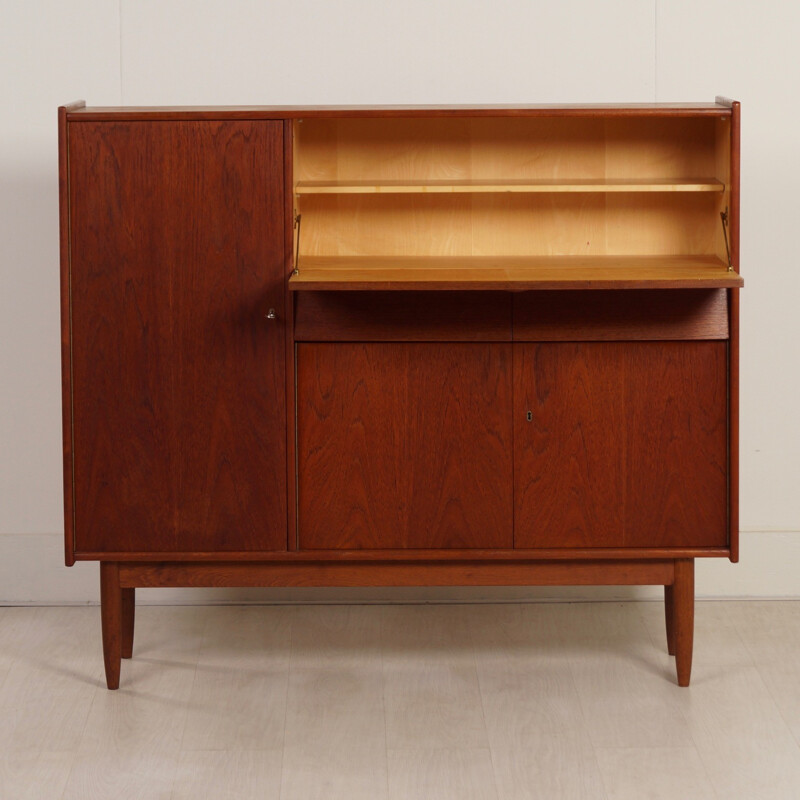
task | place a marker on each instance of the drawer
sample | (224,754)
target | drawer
(402,317)
(621,314)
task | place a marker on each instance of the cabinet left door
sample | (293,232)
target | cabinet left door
(177,369)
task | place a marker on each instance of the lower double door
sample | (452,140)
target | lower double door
(438,445)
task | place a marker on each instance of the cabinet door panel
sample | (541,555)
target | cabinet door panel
(568,425)
(404,445)
(179,391)
(677,481)
(626,444)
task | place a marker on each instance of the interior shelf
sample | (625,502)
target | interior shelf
(332,273)
(524,186)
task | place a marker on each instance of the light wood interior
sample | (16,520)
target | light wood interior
(496,187)
(471,190)
(513,272)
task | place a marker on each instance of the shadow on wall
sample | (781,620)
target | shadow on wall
(30,366)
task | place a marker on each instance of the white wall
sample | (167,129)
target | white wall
(416,51)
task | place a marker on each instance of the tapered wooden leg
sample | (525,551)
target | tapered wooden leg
(128,615)
(683,618)
(111,615)
(669,616)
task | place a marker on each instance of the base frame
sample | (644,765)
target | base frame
(119,580)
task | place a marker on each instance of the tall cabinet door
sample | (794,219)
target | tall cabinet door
(620,444)
(176,258)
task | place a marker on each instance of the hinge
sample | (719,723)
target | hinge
(297,220)
(723,215)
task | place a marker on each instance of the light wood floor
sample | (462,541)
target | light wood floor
(551,701)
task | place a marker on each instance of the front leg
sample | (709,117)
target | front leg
(683,618)
(128,616)
(111,617)
(669,616)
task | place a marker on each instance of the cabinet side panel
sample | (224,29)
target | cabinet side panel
(733,427)
(404,445)
(733,352)
(66,355)
(179,398)
(736,137)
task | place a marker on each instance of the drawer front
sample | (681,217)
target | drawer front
(403,317)
(622,314)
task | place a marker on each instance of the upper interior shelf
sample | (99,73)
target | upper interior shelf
(524,186)
(514,273)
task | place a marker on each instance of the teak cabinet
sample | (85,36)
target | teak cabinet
(400,346)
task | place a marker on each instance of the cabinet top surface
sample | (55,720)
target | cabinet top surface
(78,112)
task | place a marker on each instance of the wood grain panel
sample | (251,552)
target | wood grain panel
(510,224)
(568,424)
(510,273)
(126,468)
(404,445)
(450,554)
(676,453)
(406,163)
(723,172)
(179,396)
(733,427)
(683,619)
(289,312)
(585,110)
(535,147)
(626,446)
(520,185)
(111,621)
(733,386)
(659,148)
(631,314)
(381,573)
(66,328)
(403,316)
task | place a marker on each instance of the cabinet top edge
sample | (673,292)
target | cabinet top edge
(365,111)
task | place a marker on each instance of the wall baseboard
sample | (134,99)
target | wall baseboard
(32,572)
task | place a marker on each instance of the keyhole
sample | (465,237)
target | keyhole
(529,416)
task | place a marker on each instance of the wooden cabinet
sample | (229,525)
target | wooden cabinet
(411,346)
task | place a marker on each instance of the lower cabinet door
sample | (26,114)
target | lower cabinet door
(620,444)
(404,445)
